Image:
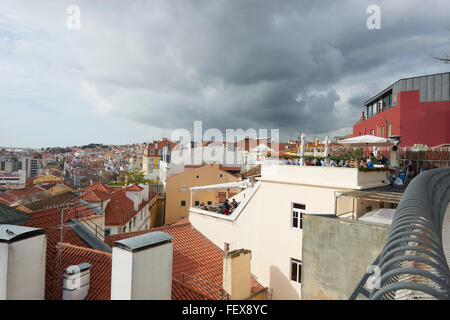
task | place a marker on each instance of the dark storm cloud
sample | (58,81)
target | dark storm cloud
(293,65)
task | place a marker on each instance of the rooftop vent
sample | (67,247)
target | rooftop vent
(76,282)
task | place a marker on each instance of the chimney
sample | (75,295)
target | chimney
(363,115)
(142,267)
(20,248)
(76,282)
(145,192)
(236,273)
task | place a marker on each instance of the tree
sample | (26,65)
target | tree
(445,58)
(354,153)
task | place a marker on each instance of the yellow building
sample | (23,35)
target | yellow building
(47,178)
(178,189)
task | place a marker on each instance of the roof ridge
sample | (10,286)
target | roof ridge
(69,245)
(139,232)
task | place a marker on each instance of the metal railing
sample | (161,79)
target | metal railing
(412,264)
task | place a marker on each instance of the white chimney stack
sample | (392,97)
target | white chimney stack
(22,263)
(142,267)
(236,273)
(76,282)
(145,192)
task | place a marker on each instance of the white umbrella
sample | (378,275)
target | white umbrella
(367,141)
(302,150)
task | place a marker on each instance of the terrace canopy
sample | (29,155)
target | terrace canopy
(230,185)
(367,141)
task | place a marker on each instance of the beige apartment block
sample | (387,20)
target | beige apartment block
(178,189)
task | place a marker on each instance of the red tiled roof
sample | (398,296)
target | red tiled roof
(193,254)
(95,196)
(101,266)
(120,210)
(25,191)
(9,198)
(100,187)
(50,221)
(134,187)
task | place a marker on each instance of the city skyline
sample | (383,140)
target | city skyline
(135,72)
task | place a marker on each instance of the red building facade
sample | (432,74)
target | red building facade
(416,109)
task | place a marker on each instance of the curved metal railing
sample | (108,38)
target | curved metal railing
(412,264)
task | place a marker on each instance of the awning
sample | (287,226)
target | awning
(381,196)
(230,185)
(367,141)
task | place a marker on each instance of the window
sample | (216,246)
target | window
(107,232)
(197,203)
(220,175)
(296,270)
(183,188)
(197,176)
(395,98)
(183,203)
(152,151)
(372,132)
(389,133)
(298,210)
(209,203)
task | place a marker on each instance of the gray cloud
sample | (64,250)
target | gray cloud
(293,65)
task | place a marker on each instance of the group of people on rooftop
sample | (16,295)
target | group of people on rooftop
(366,162)
(369,162)
(328,162)
(226,208)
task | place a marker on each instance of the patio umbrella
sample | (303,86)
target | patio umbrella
(367,141)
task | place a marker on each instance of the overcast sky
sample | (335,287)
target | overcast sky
(136,70)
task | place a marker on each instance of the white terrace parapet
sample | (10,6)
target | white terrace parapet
(334,177)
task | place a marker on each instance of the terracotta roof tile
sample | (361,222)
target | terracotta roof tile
(25,191)
(50,221)
(194,255)
(134,187)
(8,198)
(101,266)
(120,210)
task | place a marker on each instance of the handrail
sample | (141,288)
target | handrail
(99,232)
(412,263)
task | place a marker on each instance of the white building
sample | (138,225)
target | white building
(13,178)
(268,221)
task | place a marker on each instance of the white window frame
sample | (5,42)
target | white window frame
(300,213)
(299,270)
